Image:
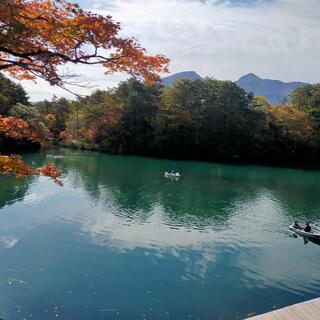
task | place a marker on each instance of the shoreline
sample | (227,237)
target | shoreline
(310,165)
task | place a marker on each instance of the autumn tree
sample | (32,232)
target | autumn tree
(261,103)
(295,125)
(39,36)
(15,128)
(98,112)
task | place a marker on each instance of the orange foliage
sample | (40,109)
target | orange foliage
(52,172)
(13,164)
(15,128)
(38,36)
(107,122)
(261,103)
(50,121)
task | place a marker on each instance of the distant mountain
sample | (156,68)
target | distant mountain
(274,90)
(168,81)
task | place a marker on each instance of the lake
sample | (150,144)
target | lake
(120,241)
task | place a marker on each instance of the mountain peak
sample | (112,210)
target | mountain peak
(250,76)
(192,75)
(275,91)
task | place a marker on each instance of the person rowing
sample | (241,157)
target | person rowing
(296,225)
(307,228)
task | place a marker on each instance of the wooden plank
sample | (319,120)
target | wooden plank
(277,315)
(289,314)
(316,303)
(268,316)
(311,309)
(308,310)
(296,312)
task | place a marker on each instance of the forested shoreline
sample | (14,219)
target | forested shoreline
(203,119)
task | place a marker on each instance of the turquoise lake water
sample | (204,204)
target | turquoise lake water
(120,241)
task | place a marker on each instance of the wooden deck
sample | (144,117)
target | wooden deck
(308,310)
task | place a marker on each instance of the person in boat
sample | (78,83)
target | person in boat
(296,225)
(307,228)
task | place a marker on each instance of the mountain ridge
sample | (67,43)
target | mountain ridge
(275,91)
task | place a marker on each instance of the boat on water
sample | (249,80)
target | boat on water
(314,233)
(172,175)
(54,156)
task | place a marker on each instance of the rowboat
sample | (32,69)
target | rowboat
(172,174)
(314,233)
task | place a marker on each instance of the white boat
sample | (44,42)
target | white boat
(314,233)
(53,156)
(172,174)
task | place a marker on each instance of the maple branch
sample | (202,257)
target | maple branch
(38,36)
(82,59)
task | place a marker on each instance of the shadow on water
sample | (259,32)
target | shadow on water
(306,240)
(315,241)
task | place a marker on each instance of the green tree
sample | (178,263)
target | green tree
(139,104)
(205,118)
(307,99)
(24,112)
(55,114)
(10,94)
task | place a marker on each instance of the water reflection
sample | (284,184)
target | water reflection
(13,190)
(127,234)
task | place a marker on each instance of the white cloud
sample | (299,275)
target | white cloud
(276,39)
(95,77)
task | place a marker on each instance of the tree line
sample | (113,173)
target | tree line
(202,119)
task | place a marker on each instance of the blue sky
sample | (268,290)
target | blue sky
(225,39)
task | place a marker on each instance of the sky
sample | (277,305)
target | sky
(223,39)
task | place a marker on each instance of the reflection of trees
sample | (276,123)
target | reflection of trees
(132,183)
(13,189)
(204,196)
(299,191)
(296,190)
(206,192)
